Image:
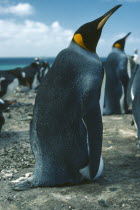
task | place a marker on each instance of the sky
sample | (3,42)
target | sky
(45,27)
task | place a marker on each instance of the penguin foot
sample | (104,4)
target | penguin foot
(25,185)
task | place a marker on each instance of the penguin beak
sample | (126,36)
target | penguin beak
(105,17)
(127,35)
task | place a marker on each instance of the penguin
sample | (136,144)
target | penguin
(130,94)
(4,104)
(10,80)
(45,67)
(8,83)
(136,56)
(116,79)
(66,129)
(133,67)
(29,76)
(34,73)
(135,91)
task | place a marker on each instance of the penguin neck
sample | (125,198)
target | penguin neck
(115,49)
(82,51)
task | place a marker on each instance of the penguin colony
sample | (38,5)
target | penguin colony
(66,129)
(29,76)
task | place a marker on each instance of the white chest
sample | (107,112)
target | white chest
(11,88)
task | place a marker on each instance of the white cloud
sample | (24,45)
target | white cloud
(21,9)
(30,38)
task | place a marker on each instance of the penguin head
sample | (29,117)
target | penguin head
(6,103)
(120,44)
(87,36)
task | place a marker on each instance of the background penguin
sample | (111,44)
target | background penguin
(4,104)
(134,65)
(116,79)
(45,67)
(130,94)
(29,76)
(135,91)
(8,83)
(33,74)
(136,56)
(66,129)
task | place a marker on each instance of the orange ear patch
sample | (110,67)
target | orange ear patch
(79,40)
(117,45)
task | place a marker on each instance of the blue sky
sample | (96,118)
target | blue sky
(43,28)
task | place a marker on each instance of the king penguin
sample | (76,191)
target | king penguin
(134,66)
(135,92)
(116,68)
(66,129)
(136,56)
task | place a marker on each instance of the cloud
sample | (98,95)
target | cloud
(21,9)
(31,38)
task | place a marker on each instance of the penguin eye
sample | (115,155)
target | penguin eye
(117,45)
(79,40)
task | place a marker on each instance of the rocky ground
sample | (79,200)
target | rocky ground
(118,188)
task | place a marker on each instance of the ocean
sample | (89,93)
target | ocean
(12,63)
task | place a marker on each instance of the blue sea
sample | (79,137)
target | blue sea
(12,63)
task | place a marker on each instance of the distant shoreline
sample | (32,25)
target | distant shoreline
(9,63)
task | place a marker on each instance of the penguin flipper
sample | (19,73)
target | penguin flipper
(93,122)
(86,172)
(124,78)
